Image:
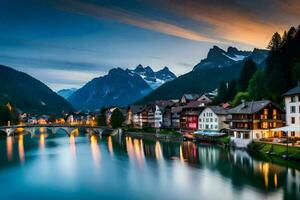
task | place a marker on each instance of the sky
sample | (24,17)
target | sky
(66,43)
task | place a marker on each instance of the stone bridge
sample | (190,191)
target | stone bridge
(11,130)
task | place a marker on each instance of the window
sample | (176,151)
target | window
(293,109)
(274,124)
(211,119)
(201,126)
(265,111)
(246,136)
(265,125)
(206,126)
(293,133)
(216,119)
(292,120)
(293,99)
(216,127)
(199,119)
(211,126)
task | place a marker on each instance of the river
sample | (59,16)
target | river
(56,166)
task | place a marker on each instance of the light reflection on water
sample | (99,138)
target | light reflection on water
(137,169)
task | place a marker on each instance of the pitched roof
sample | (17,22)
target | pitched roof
(219,110)
(250,107)
(136,109)
(293,91)
(191,96)
(177,109)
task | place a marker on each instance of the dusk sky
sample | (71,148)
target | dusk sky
(65,43)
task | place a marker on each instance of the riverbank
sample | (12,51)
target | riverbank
(172,135)
(275,153)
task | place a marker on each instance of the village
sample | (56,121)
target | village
(195,114)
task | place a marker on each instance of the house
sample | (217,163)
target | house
(189,116)
(186,98)
(213,118)
(70,119)
(254,120)
(175,117)
(44,119)
(32,120)
(167,117)
(134,115)
(206,98)
(292,107)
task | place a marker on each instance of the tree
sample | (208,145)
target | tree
(256,86)
(246,74)
(239,97)
(5,115)
(275,42)
(117,118)
(222,93)
(101,118)
(231,90)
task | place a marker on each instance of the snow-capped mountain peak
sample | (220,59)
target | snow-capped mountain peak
(153,79)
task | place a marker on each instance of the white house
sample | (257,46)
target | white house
(155,117)
(212,118)
(292,106)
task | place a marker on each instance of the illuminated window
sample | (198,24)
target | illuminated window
(265,111)
(265,124)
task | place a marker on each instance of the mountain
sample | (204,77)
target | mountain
(117,88)
(217,57)
(194,82)
(65,93)
(219,66)
(153,79)
(28,94)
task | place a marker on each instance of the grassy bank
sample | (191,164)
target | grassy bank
(276,153)
(153,131)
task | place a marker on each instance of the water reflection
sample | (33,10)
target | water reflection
(95,151)
(110,146)
(135,150)
(185,168)
(72,145)
(42,141)
(9,147)
(21,148)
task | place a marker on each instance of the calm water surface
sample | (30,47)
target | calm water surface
(49,166)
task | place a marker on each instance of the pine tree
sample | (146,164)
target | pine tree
(256,86)
(275,42)
(246,74)
(222,93)
(231,90)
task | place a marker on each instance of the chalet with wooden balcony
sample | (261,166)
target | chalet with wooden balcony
(253,121)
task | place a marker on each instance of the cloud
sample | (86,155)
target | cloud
(132,18)
(46,63)
(250,22)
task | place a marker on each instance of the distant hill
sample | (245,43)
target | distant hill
(219,66)
(65,93)
(29,94)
